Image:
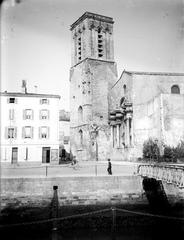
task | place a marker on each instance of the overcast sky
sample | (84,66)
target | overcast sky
(36,40)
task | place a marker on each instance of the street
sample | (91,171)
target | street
(80,169)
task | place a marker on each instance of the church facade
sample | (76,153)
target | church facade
(112,117)
(148,105)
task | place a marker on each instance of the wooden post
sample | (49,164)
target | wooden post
(113,223)
(55,208)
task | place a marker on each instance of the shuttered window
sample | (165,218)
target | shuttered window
(11,132)
(28,114)
(11,114)
(44,132)
(44,101)
(27,132)
(44,114)
(12,100)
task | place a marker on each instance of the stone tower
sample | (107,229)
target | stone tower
(92,75)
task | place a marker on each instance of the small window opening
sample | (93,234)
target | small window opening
(79,48)
(11,100)
(100,43)
(175,89)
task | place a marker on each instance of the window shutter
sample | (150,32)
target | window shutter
(32,115)
(39,132)
(13,114)
(10,114)
(48,112)
(15,132)
(31,132)
(48,132)
(40,114)
(47,101)
(24,114)
(8,100)
(23,132)
(6,132)
(15,100)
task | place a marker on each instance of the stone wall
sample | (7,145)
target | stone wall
(91,81)
(72,191)
(173,118)
(157,113)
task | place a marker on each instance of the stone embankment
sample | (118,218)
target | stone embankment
(38,192)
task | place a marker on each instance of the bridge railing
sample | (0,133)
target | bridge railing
(172,174)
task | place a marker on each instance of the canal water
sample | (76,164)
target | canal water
(125,226)
(126,233)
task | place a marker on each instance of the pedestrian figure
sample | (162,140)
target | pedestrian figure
(109,168)
(74,161)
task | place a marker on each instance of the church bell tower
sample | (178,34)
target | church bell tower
(92,74)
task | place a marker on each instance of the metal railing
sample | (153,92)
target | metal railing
(172,174)
(113,210)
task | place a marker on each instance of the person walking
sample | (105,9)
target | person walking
(109,168)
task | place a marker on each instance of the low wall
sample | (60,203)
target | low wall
(72,191)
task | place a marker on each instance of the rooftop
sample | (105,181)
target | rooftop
(19,94)
(153,73)
(93,16)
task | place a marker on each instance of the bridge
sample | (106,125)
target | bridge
(169,173)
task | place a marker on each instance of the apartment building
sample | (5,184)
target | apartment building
(29,127)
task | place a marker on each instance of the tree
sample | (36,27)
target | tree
(151,149)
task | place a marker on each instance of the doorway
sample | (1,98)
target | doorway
(46,155)
(14,155)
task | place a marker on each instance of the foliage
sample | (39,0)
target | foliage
(64,156)
(180,149)
(151,149)
(171,154)
(168,152)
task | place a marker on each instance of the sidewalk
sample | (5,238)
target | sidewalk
(85,168)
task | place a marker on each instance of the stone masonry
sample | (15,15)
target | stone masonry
(112,117)
(156,102)
(92,75)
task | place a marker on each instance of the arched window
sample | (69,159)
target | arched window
(81,137)
(175,89)
(80,114)
(124,89)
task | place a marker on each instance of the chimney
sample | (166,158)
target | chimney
(24,87)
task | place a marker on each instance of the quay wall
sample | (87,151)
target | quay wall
(38,192)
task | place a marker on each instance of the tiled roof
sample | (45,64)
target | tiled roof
(18,94)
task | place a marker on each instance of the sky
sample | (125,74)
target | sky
(36,39)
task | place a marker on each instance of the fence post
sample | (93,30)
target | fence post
(55,208)
(113,223)
(46,170)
